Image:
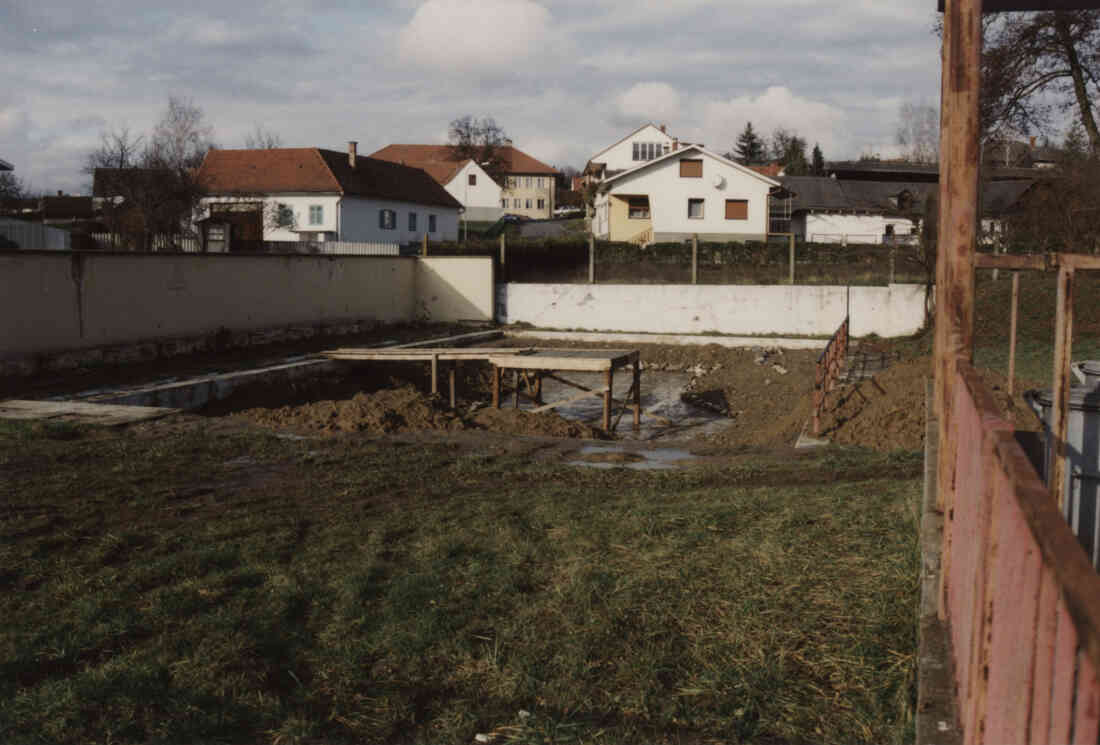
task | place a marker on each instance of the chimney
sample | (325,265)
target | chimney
(675,143)
(662,128)
(353,148)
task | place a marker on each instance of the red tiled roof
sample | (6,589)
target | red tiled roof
(313,170)
(771,170)
(515,161)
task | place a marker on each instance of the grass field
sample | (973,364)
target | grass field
(191,582)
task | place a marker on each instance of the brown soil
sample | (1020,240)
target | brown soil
(886,412)
(405,409)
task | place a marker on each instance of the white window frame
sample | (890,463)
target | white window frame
(387,219)
(316,214)
(702,208)
(541,204)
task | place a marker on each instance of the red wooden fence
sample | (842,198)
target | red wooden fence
(1022,600)
(829,365)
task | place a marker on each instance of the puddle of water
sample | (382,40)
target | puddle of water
(609,456)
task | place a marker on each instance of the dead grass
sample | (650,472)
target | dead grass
(195,583)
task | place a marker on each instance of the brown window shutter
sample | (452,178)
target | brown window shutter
(691,168)
(737,209)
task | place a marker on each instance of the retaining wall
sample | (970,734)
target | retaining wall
(55,303)
(804,310)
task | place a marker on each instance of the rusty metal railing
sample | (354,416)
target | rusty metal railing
(829,365)
(1021,599)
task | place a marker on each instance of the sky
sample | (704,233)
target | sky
(563,78)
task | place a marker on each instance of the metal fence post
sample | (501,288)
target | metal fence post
(790,257)
(695,259)
(591,259)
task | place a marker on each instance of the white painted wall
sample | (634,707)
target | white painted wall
(454,288)
(484,194)
(809,310)
(359,221)
(669,193)
(821,227)
(298,203)
(620,156)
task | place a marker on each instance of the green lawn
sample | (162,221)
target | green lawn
(201,584)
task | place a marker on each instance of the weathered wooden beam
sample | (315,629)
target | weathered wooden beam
(1060,391)
(610,377)
(1024,262)
(1012,332)
(958,232)
(572,399)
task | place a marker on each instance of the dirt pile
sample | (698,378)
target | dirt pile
(886,412)
(406,409)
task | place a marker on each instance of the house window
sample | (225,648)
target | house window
(695,209)
(431,223)
(316,214)
(516,203)
(542,204)
(472,179)
(387,219)
(648,150)
(737,209)
(638,208)
(690,168)
(528,204)
(412,221)
(504,203)
(527,181)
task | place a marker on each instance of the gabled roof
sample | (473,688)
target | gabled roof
(837,195)
(624,139)
(675,154)
(515,160)
(317,171)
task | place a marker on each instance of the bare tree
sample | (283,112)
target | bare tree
(13,187)
(919,132)
(181,138)
(482,141)
(261,138)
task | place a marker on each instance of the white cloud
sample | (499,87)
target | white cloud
(648,102)
(777,106)
(489,35)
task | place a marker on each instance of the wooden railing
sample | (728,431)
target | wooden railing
(829,365)
(1021,599)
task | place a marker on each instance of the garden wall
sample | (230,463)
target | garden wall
(805,310)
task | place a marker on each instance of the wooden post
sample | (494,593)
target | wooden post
(538,388)
(424,245)
(695,259)
(503,259)
(1063,349)
(435,374)
(607,401)
(637,395)
(958,232)
(515,392)
(496,387)
(790,257)
(591,259)
(453,374)
(1012,333)
(893,253)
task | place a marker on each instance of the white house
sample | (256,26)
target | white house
(316,195)
(684,192)
(528,186)
(644,144)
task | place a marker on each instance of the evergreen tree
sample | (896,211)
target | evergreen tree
(750,148)
(1076,146)
(818,161)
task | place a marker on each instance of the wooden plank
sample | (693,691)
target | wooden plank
(107,415)
(958,226)
(496,387)
(571,400)
(1086,713)
(1012,332)
(1064,677)
(515,390)
(1046,630)
(637,395)
(452,374)
(1015,262)
(581,361)
(1060,392)
(1084,262)
(435,374)
(610,377)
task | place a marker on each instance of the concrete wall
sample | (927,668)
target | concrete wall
(54,303)
(895,310)
(454,288)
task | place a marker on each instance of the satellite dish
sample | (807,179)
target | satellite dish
(719,181)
